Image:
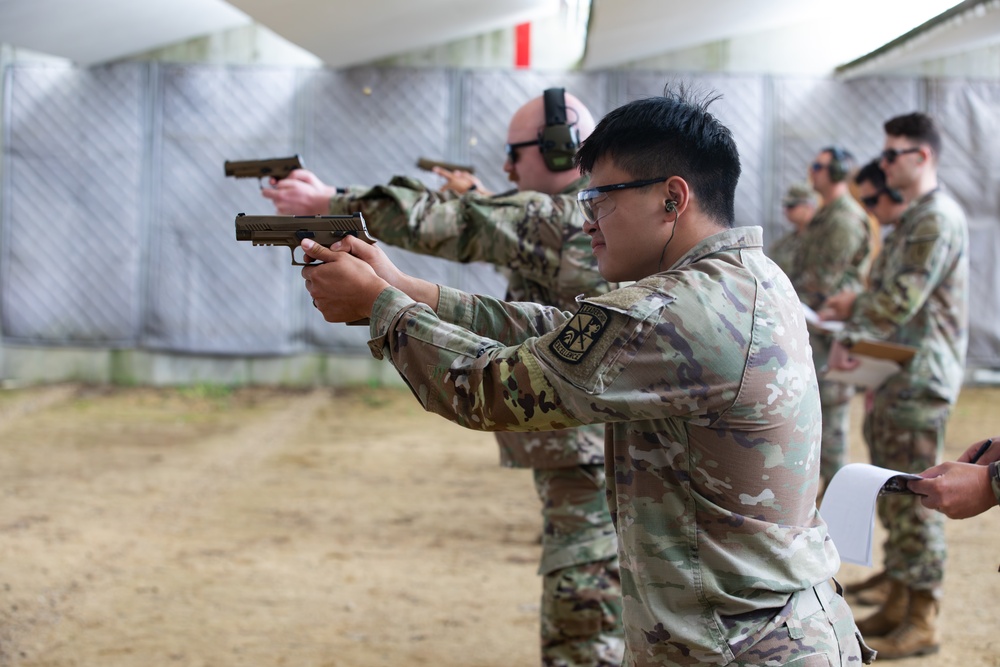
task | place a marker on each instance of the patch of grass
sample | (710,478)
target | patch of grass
(207,391)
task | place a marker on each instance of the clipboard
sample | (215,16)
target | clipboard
(880,360)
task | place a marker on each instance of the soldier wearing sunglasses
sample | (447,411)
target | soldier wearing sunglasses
(701,371)
(918,296)
(835,253)
(535,233)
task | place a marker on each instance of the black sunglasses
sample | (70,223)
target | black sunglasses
(890,154)
(586,197)
(871,201)
(512,148)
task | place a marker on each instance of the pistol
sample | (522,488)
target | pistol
(289,230)
(428,165)
(277,168)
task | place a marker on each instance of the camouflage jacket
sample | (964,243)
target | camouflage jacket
(703,374)
(537,238)
(835,252)
(785,250)
(834,255)
(918,295)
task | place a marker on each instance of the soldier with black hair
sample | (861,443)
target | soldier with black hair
(700,370)
(918,296)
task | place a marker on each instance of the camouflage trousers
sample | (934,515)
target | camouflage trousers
(908,435)
(581,586)
(818,629)
(835,402)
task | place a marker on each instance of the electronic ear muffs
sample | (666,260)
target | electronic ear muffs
(559,140)
(840,163)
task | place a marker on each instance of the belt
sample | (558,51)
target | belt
(811,600)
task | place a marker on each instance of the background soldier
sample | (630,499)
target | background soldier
(918,296)
(536,233)
(799,205)
(835,255)
(887,206)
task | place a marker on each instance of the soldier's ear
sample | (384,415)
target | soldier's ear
(676,196)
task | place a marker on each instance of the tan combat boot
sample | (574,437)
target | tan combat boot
(916,635)
(892,613)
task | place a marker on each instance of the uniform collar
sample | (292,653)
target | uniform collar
(727,239)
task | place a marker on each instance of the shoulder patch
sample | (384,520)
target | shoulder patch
(580,334)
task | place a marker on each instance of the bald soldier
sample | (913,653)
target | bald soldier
(536,232)
(701,370)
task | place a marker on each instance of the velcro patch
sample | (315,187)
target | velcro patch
(580,334)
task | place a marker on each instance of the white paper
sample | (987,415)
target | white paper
(849,507)
(871,372)
(813,321)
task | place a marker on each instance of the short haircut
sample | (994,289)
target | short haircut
(671,135)
(871,173)
(918,127)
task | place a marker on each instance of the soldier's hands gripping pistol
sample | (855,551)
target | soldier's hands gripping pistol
(276,168)
(289,230)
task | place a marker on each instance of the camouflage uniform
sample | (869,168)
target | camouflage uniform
(703,373)
(785,250)
(539,238)
(835,255)
(918,296)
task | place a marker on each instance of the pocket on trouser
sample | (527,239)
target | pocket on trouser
(852,646)
(814,635)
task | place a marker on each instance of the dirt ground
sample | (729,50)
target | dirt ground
(317,528)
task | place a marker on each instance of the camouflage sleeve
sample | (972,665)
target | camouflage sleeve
(511,323)
(589,370)
(925,256)
(833,257)
(522,231)
(995,479)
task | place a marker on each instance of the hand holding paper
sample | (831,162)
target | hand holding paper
(849,507)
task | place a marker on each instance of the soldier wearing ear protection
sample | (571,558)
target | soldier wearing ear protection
(836,251)
(535,233)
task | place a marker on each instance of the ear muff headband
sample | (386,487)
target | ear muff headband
(839,163)
(559,140)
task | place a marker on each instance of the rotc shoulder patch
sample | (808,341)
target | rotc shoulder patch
(580,334)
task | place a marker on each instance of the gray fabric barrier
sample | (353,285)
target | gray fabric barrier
(116,220)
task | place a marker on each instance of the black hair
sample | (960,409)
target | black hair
(871,173)
(916,126)
(671,135)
